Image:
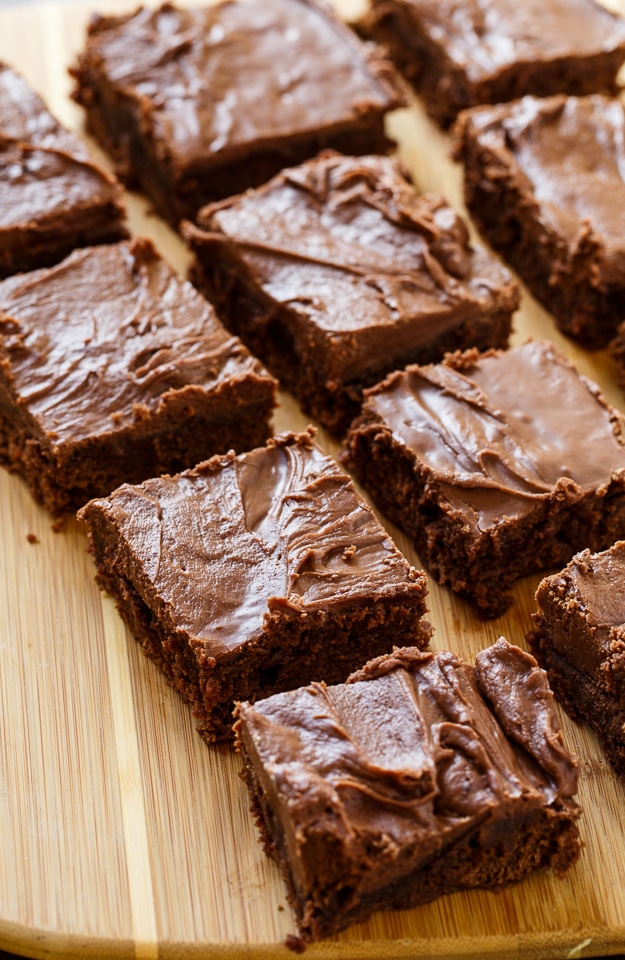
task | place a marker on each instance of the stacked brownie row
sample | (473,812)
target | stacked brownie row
(248,575)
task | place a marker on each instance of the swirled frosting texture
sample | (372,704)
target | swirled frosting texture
(278,529)
(372,269)
(109,337)
(496,431)
(210,81)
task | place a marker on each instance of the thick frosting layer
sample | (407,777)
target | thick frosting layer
(45,171)
(568,153)
(484,37)
(279,529)
(496,434)
(109,336)
(211,81)
(416,749)
(371,268)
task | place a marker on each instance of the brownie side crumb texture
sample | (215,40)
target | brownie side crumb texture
(479,460)
(494,51)
(421,776)
(114,369)
(53,196)
(579,638)
(253,574)
(545,185)
(195,105)
(337,272)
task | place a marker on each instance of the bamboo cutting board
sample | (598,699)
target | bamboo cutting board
(121,833)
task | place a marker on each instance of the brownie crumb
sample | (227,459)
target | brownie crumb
(32,538)
(296,944)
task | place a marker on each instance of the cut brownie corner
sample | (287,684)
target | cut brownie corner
(272,572)
(376,794)
(579,638)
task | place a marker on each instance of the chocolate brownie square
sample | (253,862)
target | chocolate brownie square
(113,369)
(497,465)
(337,272)
(199,104)
(545,185)
(580,640)
(459,55)
(253,574)
(53,196)
(420,776)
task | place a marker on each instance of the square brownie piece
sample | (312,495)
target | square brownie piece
(545,184)
(580,640)
(253,574)
(53,196)
(337,272)
(195,105)
(420,776)
(113,369)
(485,462)
(459,55)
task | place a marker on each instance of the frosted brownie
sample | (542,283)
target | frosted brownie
(545,184)
(491,51)
(580,640)
(113,369)
(484,461)
(337,272)
(200,104)
(53,196)
(253,574)
(420,776)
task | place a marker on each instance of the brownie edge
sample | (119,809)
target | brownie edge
(420,776)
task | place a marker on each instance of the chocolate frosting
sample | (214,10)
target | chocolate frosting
(201,83)
(106,337)
(485,37)
(348,244)
(568,157)
(494,433)
(280,528)
(418,748)
(45,171)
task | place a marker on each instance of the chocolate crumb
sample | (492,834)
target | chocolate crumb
(32,538)
(296,944)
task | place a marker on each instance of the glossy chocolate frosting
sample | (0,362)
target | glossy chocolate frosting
(486,37)
(211,81)
(47,179)
(567,155)
(416,750)
(279,529)
(372,269)
(496,434)
(108,337)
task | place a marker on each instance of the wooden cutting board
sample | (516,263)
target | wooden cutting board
(121,833)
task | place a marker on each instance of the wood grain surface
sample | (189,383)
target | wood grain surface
(121,833)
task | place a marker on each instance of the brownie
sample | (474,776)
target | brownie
(113,369)
(200,104)
(492,51)
(497,465)
(53,196)
(420,776)
(337,272)
(580,640)
(253,574)
(545,184)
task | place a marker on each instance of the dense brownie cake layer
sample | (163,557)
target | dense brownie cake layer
(485,462)
(545,184)
(336,272)
(420,776)
(254,574)
(492,51)
(580,639)
(113,369)
(201,104)
(53,197)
